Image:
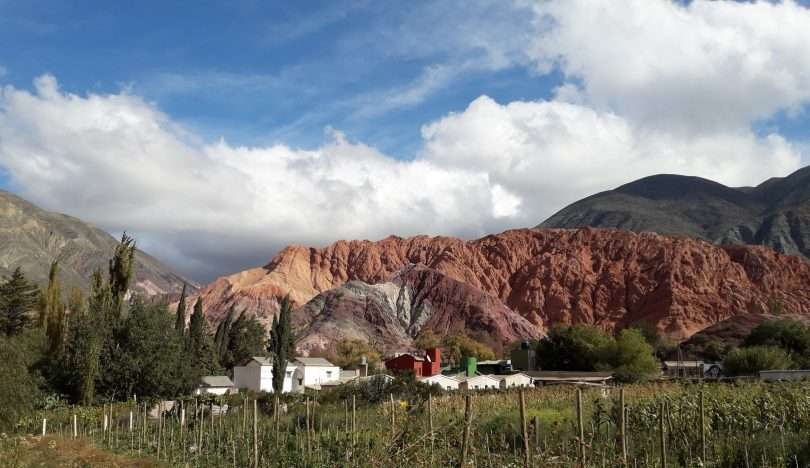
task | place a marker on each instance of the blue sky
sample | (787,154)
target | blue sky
(218,133)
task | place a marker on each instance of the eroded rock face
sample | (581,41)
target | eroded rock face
(609,278)
(392,313)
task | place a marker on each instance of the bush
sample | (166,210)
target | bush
(19,381)
(632,357)
(751,360)
(575,347)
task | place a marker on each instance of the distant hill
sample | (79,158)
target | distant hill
(776,213)
(32,238)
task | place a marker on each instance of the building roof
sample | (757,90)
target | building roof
(437,376)
(467,379)
(569,376)
(314,362)
(414,356)
(216,381)
(262,360)
(506,376)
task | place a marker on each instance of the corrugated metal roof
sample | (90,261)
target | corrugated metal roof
(216,381)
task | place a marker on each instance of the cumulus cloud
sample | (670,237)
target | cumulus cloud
(651,87)
(702,66)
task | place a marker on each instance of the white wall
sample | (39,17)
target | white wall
(517,380)
(443,381)
(212,390)
(479,383)
(260,378)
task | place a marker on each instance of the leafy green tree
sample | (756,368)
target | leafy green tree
(662,345)
(631,357)
(574,348)
(221,337)
(20,382)
(349,353)
(281,345)
(791,335)
(245,338)
(427,339)
(199,344)
(751,360)
(18,299)
(455,347)
(180,314)
(55,317)
(121,273)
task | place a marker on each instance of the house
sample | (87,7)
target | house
(257,375)
(683,368)
(420,366)
(313,372)
(514,380)
(570,377)
(215,385)
(444,381)
(478,382)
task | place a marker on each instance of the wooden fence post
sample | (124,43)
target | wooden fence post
(527,457)
(663,440)
(430,425)
(255,437)
(75,428)
(580,428)
(44,426)
(465,442)
(623,427)
(393,417)
(703,430)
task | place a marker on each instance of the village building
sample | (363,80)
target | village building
(257,375)
(215,385)
(514,380)
(313,373)
(444,381)
(600,379)
(420,366)
(497,367)
(479,382)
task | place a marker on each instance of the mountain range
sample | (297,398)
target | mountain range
(31,238)
(775,213)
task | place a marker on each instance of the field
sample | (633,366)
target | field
(672,425)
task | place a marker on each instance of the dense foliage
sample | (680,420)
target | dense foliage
(586,348)
(281,344)
(751,360)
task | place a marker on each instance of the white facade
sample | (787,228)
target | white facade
(445,382)
(515,380)
(479,382)
(257,375)
(214,385)
(313,372)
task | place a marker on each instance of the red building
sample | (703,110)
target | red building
(421,366)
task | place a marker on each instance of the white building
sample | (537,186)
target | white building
(257,375)
(443,381)
(313,372)
(214,385)
(514,380)
(479,382)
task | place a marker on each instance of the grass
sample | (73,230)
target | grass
(55,451)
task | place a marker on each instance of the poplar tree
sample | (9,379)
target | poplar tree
(203,356)
(18,298)
(54,311)
(222,335)
(121,273)
(281,343)
(180,320)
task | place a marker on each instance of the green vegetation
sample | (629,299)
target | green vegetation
(454,347)
(18,299)
(751,360)
(348,353)
(282,344)
(586,348)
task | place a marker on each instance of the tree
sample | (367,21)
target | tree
(54,312)
(18,299)
(203,355)
(662,344)
(281,345)
(88,337)
(574,347)
(349,353)
(456,347)
(221,337)
(121,273)
(180,314)
(632,357)
(791,335)
(751,360)
(427,339)
(19,380)
(245,338)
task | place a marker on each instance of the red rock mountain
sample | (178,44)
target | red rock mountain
(609,278)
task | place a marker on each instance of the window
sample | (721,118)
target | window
(328,374)
(289,374)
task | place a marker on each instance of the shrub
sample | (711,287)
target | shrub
(751,360)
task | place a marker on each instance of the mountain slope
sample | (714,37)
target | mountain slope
(32,238)
(609,278)
(775,214)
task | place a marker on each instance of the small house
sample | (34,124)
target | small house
(313,372)
(479,382)
(514,380)
(420,366)
(215,385)
(257,375)
(444,381)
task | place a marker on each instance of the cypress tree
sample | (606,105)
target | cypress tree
(281,343)
(54,310)
(196,326)
(222,336)
(18,298)
(180,320)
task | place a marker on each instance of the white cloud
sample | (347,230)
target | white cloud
(705,66)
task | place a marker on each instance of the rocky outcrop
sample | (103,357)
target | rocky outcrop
(31,238)
(608,278)
(776,213)
(392,313)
